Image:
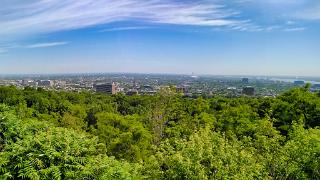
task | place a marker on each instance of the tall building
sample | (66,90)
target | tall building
(45,83)
(108,88)
(245,80)
(248,90)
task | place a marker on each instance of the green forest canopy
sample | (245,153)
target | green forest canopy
(68,135)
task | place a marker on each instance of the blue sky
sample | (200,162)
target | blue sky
(220,37)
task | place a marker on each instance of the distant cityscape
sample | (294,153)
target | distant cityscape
(150,84)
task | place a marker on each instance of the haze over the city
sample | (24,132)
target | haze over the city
(236,37)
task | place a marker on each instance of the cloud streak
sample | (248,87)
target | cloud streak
(59,15)
(126,28)
(20,18)
(45,45)
(295,29)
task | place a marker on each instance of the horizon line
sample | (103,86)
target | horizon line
(164,73)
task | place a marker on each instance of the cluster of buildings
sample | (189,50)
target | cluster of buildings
(189,89)
(130,88)
(140,84)
(314,86)
(35,83)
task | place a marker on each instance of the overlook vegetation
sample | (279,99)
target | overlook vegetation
(66,135)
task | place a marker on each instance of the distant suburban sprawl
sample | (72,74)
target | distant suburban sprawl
(150,84)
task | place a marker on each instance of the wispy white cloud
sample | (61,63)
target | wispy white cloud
(47,44)
(22,18)
(295,29)
(6,46)
(59,15)
(289,22)
(126,28)
(247,25)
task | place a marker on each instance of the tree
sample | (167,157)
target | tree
(207,155)
(34,150)
(125,137)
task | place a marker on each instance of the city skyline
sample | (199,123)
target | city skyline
(219,37)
